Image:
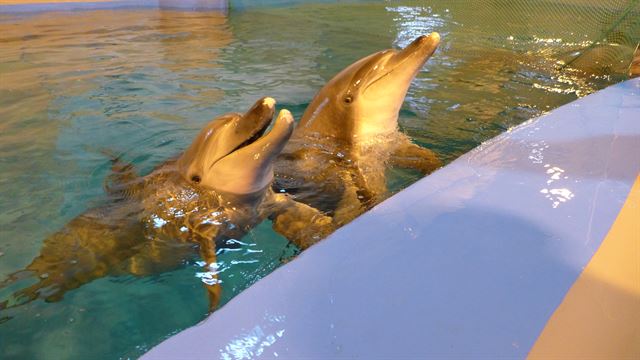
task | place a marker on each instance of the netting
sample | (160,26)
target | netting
(593,36)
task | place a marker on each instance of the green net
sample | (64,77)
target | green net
(597,37)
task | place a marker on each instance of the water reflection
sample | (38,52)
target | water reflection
(256,341)
(416,21)
(555,174)
(557,196)
(73,85)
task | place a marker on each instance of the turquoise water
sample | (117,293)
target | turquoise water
(141,83)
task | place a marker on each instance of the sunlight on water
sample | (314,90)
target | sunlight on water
(79,88)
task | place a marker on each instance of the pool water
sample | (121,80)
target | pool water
(141,82)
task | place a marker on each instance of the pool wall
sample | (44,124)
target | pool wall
(68,5)
(526,246)
(61,5)
(45,5)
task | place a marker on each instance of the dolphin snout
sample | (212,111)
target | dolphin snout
(420,49)
(430,41)
(433,37)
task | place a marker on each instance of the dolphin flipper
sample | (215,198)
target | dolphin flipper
(210,276)
(155,256)
(411,156)
(18,297)
(301,224)
(356,198)
(162,255)
(123,181)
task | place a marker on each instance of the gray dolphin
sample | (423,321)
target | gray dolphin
(347,137)
(217,190)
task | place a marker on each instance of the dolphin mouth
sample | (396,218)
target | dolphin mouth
(278,135)
(257,135)
(258,119)
(250,168)
(416,53)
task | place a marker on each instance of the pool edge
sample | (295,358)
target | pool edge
(302,309)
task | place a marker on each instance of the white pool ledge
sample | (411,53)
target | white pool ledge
(469,262)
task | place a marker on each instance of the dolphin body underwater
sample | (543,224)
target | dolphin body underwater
(217,190)
(348,135)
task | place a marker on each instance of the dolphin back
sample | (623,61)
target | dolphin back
(91,246)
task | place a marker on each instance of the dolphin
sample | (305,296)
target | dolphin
(216,190)
(348,135)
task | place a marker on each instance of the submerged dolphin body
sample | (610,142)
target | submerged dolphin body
(217,190)
(348,135)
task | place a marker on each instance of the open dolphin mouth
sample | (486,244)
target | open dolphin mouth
(258,134)
(261,141)
(260,117)
(263,121)
(250,168)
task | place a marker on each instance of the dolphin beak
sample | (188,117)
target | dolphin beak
(421,48)
(403,65)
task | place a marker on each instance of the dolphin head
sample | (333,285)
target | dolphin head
(364,99)
(233,155)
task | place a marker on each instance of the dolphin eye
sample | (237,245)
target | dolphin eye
(196,179)
(348,99)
